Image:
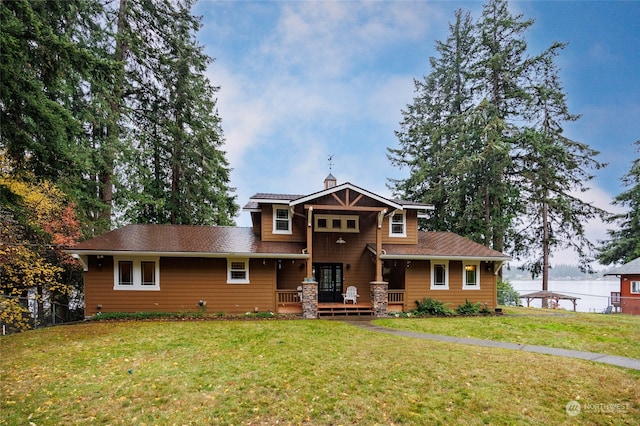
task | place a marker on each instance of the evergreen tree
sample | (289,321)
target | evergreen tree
(624,243)
(499,168)
(551,171)
(500,73)
(48,60)
(432,125)
(177,171)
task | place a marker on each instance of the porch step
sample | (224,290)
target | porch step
(340,309)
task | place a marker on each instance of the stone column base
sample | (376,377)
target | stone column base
(309,299)
(379,301)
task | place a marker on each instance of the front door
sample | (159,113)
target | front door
(329,279)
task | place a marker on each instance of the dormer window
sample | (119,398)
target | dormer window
(281,220)
(398,225)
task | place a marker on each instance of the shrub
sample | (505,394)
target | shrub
(429,306)
(507,296)
(468,308)
(131,316)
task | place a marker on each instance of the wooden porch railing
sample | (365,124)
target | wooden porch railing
(615,299)
(395,297)
(287,296)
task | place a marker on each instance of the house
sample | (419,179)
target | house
(299,256)
(628,298)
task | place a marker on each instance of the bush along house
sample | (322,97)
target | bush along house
(340,251)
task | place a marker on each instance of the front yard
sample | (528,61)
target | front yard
(295,372)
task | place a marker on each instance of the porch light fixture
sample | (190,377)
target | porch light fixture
(408,263)
(340,241)
(100,260)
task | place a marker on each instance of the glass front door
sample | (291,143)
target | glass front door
(329,279)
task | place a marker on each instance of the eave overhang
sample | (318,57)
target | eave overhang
(77,253)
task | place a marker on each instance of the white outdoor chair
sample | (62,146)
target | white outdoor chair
(351,294)
(299,293)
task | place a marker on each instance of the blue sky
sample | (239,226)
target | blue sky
(301,80)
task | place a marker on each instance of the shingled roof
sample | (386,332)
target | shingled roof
(187,240)
(434,245)
(630,268)
(257,199)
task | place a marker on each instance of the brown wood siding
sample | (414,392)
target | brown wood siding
(357,261)
(418,286)
(298,225)
(629,302)
(290,274)
(183,282)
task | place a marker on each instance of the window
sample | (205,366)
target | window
(439,275)
(148,270)
(136,274)
(471,276)
(237,271)
(397,226)
(635,287)
(125,277)
(281,220)
(337,223)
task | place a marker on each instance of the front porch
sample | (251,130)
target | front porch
(290,302)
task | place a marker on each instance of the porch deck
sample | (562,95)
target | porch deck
(288,302)
(344,309)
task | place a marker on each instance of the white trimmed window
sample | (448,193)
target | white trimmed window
(398,225)
(439,275)
(237,271)
(281,220)
(635,287)
(471,276)
(136,273)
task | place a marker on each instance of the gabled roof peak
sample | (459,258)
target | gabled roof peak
(293,200)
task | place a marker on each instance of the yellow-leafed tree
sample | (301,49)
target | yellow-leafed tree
(37,278)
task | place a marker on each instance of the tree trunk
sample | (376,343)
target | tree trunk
(113,129)
(545,249)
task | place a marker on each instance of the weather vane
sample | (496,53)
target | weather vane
(330,159)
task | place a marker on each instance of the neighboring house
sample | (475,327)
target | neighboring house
(628,298)
(300,255)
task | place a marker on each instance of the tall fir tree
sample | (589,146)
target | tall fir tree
(494,168)
(432,124)
(552,171)
(49,60)
(624,241)
(177,172)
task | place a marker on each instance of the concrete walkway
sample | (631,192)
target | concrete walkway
(620,361)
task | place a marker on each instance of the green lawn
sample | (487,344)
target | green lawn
(610,334)
(292,372)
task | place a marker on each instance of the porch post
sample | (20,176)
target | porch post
(309,299)
(379,302)
(379,288)
(379,245)
(310,243)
